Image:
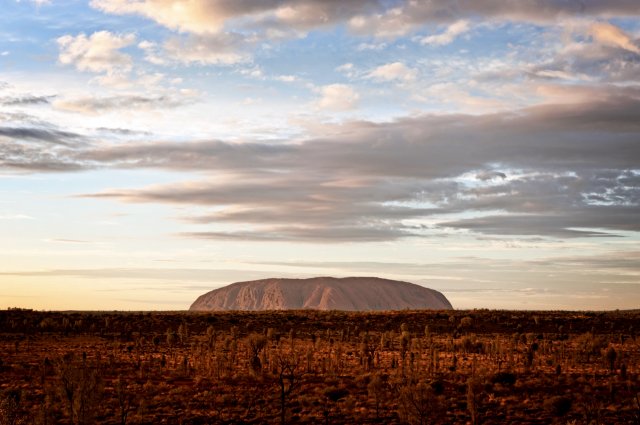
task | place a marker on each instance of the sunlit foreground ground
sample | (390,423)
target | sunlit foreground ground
(418,367)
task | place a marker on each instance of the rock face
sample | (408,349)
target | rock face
(322,293)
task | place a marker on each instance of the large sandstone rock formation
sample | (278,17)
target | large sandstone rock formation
(322,293)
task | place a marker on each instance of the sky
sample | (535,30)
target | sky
(153,150)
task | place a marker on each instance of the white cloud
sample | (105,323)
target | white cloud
(396,71)
(152,53)
(348,69)
(97,53)
(450,34)
(286,78)
(215,49)
(345,67)
(253,72)
(371,46)
(338,97)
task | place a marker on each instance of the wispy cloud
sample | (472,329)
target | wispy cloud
(544,168)
(451,33)
(25,100)
(94,105)
(396,71)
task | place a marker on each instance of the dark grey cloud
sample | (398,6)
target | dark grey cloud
(611,64)
(122,131)
(552,170)
(597,135)
(25,100)
(369,232)
(536,11)
(25,158)
(48,135)
(553,225)
(94,105)
(490,175)
(37,146)
(276,17)
(406,16)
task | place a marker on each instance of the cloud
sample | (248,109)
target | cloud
(451,33)
(564,170)
(72,241)
(588,222)
(47,135)
(610,35)
(596,52)
(371,46)
(161,274)
(348,69)
(211,16)
(33,146)
(275,17)
(195,16)
(153,53)
(96,105)
(490,175)
(25,100)
(286,78)
(337,97)
(223,32)
(405,17)
(396,71)
(310,234)
(216,49)
(99,52)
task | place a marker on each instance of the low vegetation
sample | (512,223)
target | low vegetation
(410,367)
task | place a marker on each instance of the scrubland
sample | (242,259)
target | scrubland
(409,367)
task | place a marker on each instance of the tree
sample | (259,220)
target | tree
(473,399)
(418,403)
(377,390)
(81,388)
(611,358)
(255,344)
(125,399)
(288,375)
(466,322)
